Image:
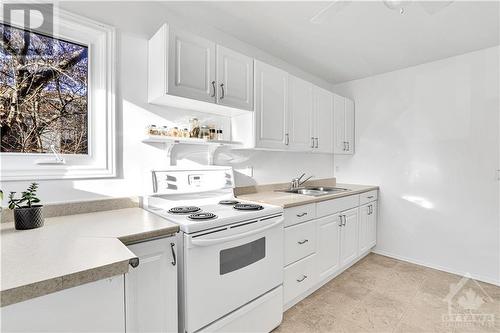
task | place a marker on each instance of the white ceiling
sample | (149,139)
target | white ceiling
(363,39)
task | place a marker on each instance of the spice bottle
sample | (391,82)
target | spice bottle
(220,136)
(194,128)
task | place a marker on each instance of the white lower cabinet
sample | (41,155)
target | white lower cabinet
(92,307)
(367,226)
(328,250)
(349,237)
(344,233)
(151,287)
(298,278)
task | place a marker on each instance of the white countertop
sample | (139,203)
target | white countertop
(72,250)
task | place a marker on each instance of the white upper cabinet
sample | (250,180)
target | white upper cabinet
(234,79)
(322,126)
(343,125)
(190,72)
(300,111)
(270,107)
(191,66)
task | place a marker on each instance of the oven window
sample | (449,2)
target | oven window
(241,256)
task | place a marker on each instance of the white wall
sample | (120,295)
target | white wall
(135,23)
(429,136)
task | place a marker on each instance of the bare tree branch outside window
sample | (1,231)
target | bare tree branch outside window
(43,95)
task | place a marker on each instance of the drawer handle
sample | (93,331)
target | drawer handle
(302,215)
(303,241)
(370,196)
(302,278)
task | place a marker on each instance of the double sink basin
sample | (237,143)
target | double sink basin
(315,191)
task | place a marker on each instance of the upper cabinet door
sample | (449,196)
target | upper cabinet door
(191,62)
(339,124)
(323,121)
(270,106)
(349,125)
(300,108)
(234,79)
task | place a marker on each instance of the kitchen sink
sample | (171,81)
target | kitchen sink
(315,191)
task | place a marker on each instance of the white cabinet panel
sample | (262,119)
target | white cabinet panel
(299,277)
(93,307)
(151,288)
(349,125)
(343,125)
(191,66)
(328,249)
(300,241)
(367,226)
(270,106)
(323,121)
(339,124)
(298,214)
(349,237)
(234,79)
(300,107)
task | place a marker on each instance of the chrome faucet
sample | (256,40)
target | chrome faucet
(295,183)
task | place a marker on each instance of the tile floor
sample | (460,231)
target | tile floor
(380,294)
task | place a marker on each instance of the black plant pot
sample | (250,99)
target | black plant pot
(28,217)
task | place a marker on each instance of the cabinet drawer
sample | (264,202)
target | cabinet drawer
(300,241)
(298,278)
(295,215)
(368,197)
(336,205)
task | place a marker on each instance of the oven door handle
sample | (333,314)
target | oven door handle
(213,241)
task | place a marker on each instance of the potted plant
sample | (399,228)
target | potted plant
(26,214)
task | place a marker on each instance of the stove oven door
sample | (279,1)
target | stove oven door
(227,268)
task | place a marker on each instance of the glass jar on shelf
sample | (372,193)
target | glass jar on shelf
(163,131)
(174,132)
(185,133)
(194,128)
(204,132)
(220,136)
(152,130)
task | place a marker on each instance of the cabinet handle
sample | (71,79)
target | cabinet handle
(345,220)
(303,241)
(134,262)
(312,142)
(174,262)
(213,86)
(348,146)
(302,278)
(345,146)
(317,142)
(222,90)
(370,197)
(341,217)
(302,214)
(287,139)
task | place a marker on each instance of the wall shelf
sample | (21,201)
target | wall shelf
(189,141)
(171,142)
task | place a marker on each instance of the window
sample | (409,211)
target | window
(43,94)
(57,95)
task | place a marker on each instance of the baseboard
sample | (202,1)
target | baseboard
(439,268)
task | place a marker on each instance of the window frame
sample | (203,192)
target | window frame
(100,160)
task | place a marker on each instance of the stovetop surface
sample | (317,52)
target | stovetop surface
(225,214)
